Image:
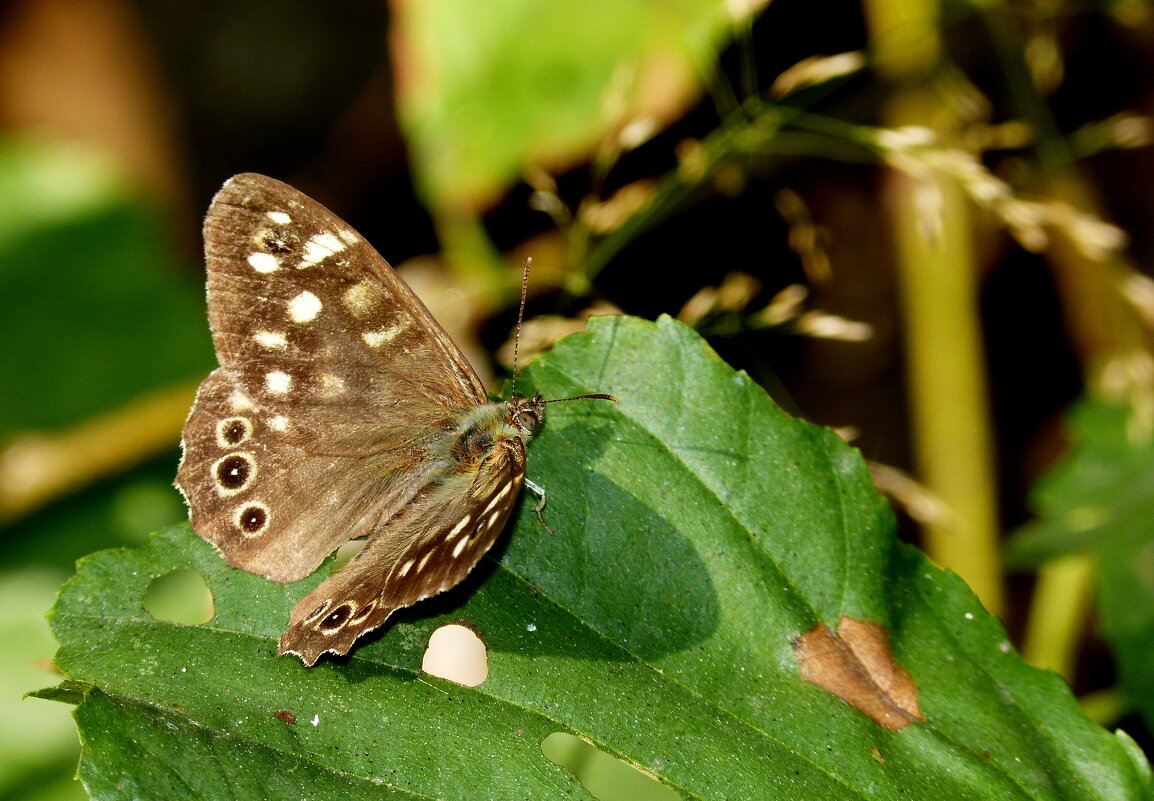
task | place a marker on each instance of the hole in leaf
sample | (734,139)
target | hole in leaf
(179,597)
(605,776)
(457,653)
(346,553)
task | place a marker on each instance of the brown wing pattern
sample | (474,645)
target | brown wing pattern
(335,384)
(434,547)
(312,321)
(270,506)
(341,409)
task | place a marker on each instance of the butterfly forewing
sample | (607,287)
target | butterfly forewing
(310,319)
(341,409)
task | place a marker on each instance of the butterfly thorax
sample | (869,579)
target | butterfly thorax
(482,427)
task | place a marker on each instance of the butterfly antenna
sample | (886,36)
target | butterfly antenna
(517,344)
(520,317)
(594,396)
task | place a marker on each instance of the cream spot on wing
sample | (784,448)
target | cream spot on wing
(492,521)
(497,498)
(270,339)
(332,384)
(239,402)
(374,339)
(457,529)
(279,217)
(263,262)
(424,561)
(320,247)
(405,568)
(304,307)
(359,297)
(277,382)
(278,423)
(348,236)
(460,546)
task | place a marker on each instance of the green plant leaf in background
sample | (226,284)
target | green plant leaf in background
(699,531)
(1100,500)
(485,89)
(96,310)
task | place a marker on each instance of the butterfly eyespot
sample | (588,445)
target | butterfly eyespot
(252,519)
(337,618)
(233,431)
(234,473)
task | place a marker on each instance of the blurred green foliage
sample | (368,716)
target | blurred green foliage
(95,309)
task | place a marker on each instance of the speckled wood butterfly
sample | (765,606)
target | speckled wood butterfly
(341,409)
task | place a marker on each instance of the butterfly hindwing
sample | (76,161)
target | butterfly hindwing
(270,506)
(434,546)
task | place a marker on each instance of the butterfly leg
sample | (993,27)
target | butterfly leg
(539,491)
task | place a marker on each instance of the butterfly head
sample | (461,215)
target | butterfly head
(525,414)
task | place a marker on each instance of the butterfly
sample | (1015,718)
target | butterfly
(341,409)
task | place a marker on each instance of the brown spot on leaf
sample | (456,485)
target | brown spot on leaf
(285,715)
(857,666)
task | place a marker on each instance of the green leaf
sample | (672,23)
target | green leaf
(699,531)
(35,739)
(95,309)
(1100,500)
(487,89)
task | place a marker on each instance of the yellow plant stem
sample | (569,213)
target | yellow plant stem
(1105,707)
(933,232)
(35,468)
(946,377)
(1060,607)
